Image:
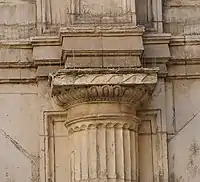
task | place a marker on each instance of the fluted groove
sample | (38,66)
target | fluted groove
(137,156)
(110,152)
(119,143)
(101,152)
(133,155)
(92,152)
(77,150)
(84,155)
(127,154)
(71,166)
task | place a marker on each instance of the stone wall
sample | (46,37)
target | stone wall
(33,138)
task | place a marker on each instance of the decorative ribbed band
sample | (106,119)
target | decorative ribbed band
(123,121)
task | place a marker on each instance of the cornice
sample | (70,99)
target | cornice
(185,61)
(185,40)
(102,53)
(192,39)
(156,38)
(18,81)
(75,86)
(106,71)
(183,77)
(17,65)
(45,41)
(99,30)
(81,77)
(148,38)
(48,62)
(16,44)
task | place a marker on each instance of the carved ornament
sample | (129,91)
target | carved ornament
(120,121)
(116,93)
(75,86)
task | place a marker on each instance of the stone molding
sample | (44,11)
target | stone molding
(71,87)
(101,76)
(104,93)
(117,121)
(159,149)
(47,144)
(16,44)
(180,48)
(45,41)
(185,52)
(157,132)
(101,42)
(185,40)
(156,51)
(51,42)
(156,38)
(115,30)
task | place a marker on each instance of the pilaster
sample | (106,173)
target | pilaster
(102,124)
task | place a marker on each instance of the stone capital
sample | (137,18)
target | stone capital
(71,87)
(101,120)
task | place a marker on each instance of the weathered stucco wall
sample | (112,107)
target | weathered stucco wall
(18,19)
(181,16)
(19,132)
(25,95)
(184,145)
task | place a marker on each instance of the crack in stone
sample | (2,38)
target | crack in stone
(32,158)
(186,124)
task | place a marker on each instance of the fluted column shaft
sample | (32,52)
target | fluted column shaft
(103,142)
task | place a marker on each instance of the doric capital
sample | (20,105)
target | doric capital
(71,87)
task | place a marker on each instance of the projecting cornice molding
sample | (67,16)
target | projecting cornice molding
(159,49)
(185,51)
(103,76)
(156,51)
(71,87)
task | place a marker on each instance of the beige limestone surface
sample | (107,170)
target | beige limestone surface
(44,47)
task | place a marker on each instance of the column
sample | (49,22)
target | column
(103,137)
(101,121)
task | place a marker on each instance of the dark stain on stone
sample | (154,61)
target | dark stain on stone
(194,149)
(192,167)
(172,177)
